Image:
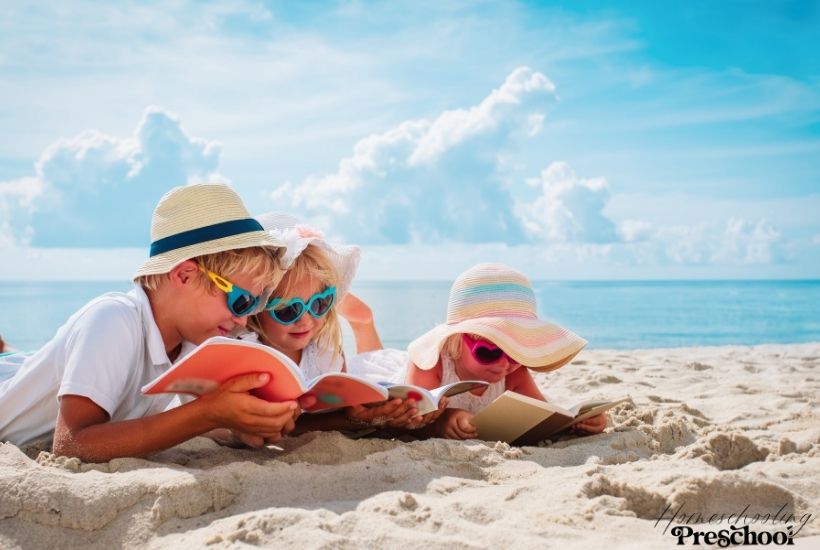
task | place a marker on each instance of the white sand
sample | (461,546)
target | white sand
(714,430)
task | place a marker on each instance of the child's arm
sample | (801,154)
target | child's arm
(84,431)
(395,413)
(593,425)
(520,381)
(452,424)
(430,379)
(360,317)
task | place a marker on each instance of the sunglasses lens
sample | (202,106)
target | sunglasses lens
(243,304)
(290,313)
(485,354)
(321,306)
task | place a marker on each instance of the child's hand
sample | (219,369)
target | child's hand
(235,439)
(355,310)
(593,425)
(457,424)
(230,406)
(422,421)
(395,413)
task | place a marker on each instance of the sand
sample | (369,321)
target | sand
(727,432)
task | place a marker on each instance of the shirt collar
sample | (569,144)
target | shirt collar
(156,346)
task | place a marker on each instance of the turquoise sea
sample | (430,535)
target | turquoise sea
(610,314)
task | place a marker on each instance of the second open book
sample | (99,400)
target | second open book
(523,420)
(219,359)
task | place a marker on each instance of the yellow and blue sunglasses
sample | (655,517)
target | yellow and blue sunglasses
(287,313)
(240,301)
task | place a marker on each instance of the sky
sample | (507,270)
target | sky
(576,140)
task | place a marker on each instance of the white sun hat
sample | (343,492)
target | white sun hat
(200,219)
(498,303)
(296,237)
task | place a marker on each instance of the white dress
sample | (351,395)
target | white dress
(383,365)
(316,361)
(390,365)
(467,400)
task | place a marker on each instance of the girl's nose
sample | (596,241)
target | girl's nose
(305,321)
(241,321)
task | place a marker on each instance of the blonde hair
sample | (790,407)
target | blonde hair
(261,262)
(451,347)
(312,263)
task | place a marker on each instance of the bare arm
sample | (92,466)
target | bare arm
(83,428)
(393,413)
(520,381)
(430,379)
(451,424)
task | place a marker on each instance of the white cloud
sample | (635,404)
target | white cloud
(98,190)
(569,208)
(17,199)
(430,180)
(749,243)
(685,244)
(740,242)
(634,230)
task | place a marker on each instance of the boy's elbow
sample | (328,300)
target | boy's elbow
(68,446)
(62,447)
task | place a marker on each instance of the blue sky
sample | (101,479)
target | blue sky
(588,140)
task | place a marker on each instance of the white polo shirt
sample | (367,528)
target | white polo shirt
(106,352)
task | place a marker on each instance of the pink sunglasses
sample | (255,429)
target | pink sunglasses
(485,352)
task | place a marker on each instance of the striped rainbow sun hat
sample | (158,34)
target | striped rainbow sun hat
(498,303)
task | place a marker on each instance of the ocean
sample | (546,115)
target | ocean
(610,314)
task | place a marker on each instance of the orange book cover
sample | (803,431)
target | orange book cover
(219,359)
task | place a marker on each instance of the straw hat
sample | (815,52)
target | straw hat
(296,237)
(200,219)
(498,303)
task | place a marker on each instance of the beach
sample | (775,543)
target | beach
(718,438)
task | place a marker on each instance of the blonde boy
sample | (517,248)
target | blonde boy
(210,266)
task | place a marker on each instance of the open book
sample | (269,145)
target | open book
(522,420)
(428,400)
(219,359)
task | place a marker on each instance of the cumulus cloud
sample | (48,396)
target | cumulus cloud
(16,205)
(569,208)
(95,190)
(740,242)
(634,230)
(749,243)
(430,180)
(450,180)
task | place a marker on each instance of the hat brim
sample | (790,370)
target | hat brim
(165,262)
(538,345)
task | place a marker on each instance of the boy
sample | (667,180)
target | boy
(210,266)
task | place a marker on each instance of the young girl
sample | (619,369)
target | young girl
(302,320)
(492,330)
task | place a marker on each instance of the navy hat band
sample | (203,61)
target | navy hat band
(204,234)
